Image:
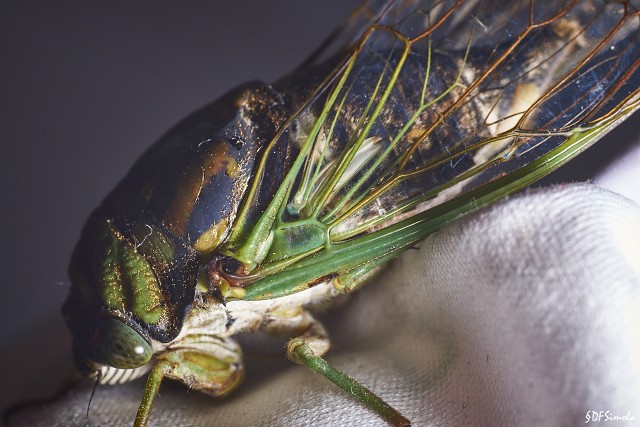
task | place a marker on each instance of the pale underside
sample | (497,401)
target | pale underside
(215,323)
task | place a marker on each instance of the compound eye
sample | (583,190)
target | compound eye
(116,344)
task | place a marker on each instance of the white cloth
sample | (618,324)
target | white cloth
(527,313)
(523,313)
(623,175)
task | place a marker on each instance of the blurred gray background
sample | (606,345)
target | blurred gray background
(85,88)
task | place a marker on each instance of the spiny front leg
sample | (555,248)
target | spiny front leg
(206,363)
(307,350)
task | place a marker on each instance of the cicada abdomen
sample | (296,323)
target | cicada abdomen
(417,112)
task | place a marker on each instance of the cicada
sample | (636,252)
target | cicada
(279,198)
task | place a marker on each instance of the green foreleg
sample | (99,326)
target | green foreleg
(209,364)
(299,351)
(150,392)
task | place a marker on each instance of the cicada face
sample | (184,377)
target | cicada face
(115,300)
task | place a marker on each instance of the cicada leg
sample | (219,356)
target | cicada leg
(150,392)
(206,363)
(308,348)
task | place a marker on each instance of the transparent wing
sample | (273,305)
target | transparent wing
(439,106)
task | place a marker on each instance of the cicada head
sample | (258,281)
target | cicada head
(132,284)
(135,268)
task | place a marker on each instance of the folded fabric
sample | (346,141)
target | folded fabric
(522,313)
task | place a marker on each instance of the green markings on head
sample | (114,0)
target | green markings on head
(126,280)
(110,281)
(145,290)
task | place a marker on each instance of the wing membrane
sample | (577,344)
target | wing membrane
(433,103)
